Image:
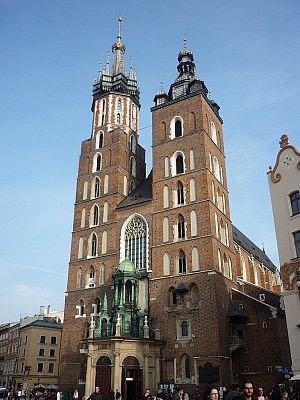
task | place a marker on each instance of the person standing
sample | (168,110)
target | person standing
(96,395)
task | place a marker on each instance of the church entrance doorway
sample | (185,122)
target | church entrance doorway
(103,376)
(132,379)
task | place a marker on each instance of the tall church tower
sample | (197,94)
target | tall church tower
(112,164)
(192,231)
(189,178)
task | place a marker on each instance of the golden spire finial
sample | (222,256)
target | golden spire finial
(184,41)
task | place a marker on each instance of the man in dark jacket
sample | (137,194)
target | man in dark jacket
(96,395)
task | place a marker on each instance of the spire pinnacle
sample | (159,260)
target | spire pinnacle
(119,31)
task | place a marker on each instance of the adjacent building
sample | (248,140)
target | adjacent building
(32,351)
(162,288)
(284,184)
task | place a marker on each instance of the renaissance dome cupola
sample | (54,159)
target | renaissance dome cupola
(186,66)
(113,78)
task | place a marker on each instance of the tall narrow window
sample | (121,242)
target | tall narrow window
(80,248)
(94,246)
(92,277)
(132,143)
(213,132)
(297,242)
(187,368)
(166,196)
(181,227)
(79,278)
(165,229)
(180,196)
(295,202)
(97,187)
(178,128)
(166,264)
(118,118)
(179,164)
(132,166)
(102,275)
(98,166)
(182,262)
(101,140)
(184,329)
(95,215)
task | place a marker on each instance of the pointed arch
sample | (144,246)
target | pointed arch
(179,164)
(79,278)
(135,237)
(192,189)
(167,167)
(97,162)
(93,245)
(192,159)
(132,166)
(105,188)
(99,142)
(166,233)
(102,274)
(181,227)
(192,121)
(82,222)
(132,144)
(80,248)
(92,277)
(166,196)
(176,127)
(85,190)
(182,262)
(105,211)
(166,264)
(180,193)
(94,215)
(104,243)
(194,223)
(195,259)
(213,132)
(194,295)
(95,192)
(163,130)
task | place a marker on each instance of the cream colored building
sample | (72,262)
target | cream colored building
(38,353)
(284,184)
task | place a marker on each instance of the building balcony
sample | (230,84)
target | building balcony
(236,343)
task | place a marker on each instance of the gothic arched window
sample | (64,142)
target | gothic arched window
(135,241)
(96,187)
(178,128)
(179,164)
(180,196)
(95,215)
(181,227)
(79,278)
(94,246)
(182,262)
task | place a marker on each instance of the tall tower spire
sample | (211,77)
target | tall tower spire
(114,79)
(118,48)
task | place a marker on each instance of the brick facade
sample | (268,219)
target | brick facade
(197,265)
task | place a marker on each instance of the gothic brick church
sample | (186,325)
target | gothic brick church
(162,288)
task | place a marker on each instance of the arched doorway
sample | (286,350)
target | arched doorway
(103,376)
(132,379)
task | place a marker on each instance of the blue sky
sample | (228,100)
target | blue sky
(246,51)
